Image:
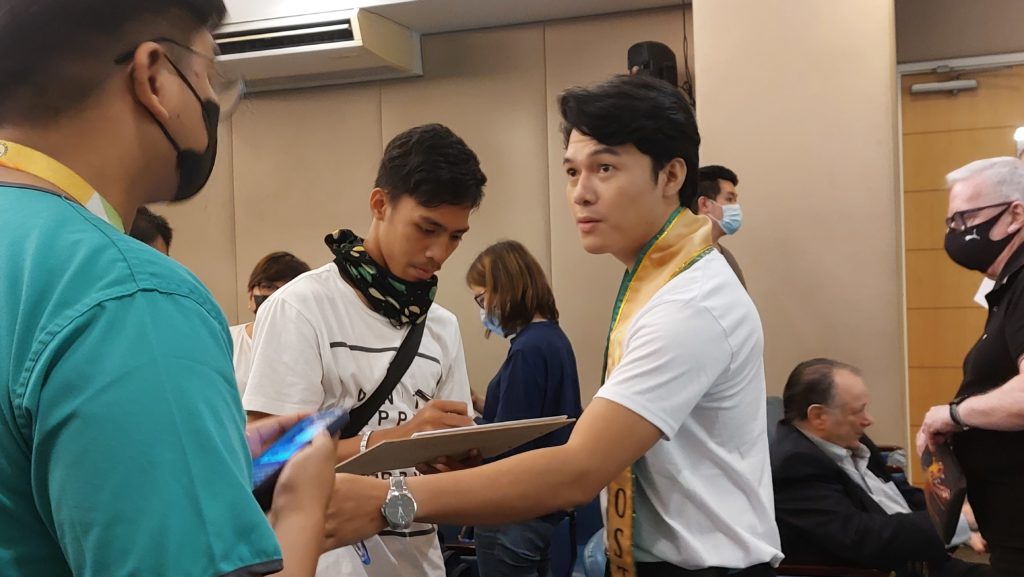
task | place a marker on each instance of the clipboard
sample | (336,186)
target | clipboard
(491,440)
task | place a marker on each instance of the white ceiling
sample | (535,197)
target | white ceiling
(434,16)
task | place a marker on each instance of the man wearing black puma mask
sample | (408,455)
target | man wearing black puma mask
(985,422)
(122,441)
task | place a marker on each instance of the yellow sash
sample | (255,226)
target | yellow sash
(31,161)
(683,240)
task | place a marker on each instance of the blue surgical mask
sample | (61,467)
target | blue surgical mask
(732,218)
(490,323)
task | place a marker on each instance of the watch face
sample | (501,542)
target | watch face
(400,510)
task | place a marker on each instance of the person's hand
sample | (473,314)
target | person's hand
(305,485)
(438,414)
(263,433)
(977,542)
(354,510)
(936,428)
(446,464)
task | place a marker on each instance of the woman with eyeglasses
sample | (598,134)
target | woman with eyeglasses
(537,379)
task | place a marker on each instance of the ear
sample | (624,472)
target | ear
(815,414)
(674,175)
(379,203)
(1016,218)
(148,76)
(252,303)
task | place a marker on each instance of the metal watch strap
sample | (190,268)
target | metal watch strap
(398,485)
(363,441)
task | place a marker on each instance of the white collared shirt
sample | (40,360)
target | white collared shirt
(855,464)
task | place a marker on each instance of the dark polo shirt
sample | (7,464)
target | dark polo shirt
(993,461)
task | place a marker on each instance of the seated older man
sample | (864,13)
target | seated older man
(834,502)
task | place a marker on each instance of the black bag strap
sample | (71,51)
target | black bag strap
(361,415)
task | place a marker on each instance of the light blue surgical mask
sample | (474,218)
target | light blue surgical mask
(491,324)
(732,218)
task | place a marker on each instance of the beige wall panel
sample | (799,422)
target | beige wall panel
(942,337)
(304,166)
(924,219)
(996,103)
(204,229)
(934,281)
(814,145)
(584,52)
(930,387)
(928,157)
(488,87)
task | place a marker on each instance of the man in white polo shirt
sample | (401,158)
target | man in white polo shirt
(328,338)
(677,431)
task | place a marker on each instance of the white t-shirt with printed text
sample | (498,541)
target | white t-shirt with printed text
(317,346)
(692,365)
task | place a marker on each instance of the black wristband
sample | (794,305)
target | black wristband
(954,412)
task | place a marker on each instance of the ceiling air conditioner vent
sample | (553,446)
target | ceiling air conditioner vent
(318,49)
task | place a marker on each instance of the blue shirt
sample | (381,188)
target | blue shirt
(122,447)
(537,379)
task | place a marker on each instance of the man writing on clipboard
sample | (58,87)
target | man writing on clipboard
(329,338)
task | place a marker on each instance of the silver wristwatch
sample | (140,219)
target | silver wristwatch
(364,441)
(399,508)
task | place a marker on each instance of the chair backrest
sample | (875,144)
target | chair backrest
(775,414)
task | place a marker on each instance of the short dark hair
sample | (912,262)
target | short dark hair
(149,226)
(434,166)
(811,383)
(709,186)
(646,112)
(277,268)
(58,53)
(518,288)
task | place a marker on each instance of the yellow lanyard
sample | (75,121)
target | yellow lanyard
(30,161)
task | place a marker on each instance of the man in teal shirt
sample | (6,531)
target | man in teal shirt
(122,449)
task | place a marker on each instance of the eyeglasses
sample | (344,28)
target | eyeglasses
(958,221)
(228,89)
(480,299)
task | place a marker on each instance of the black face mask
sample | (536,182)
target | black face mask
(258,300)
(972,248)
(194,168)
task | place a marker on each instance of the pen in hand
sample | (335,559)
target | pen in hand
(427,398)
